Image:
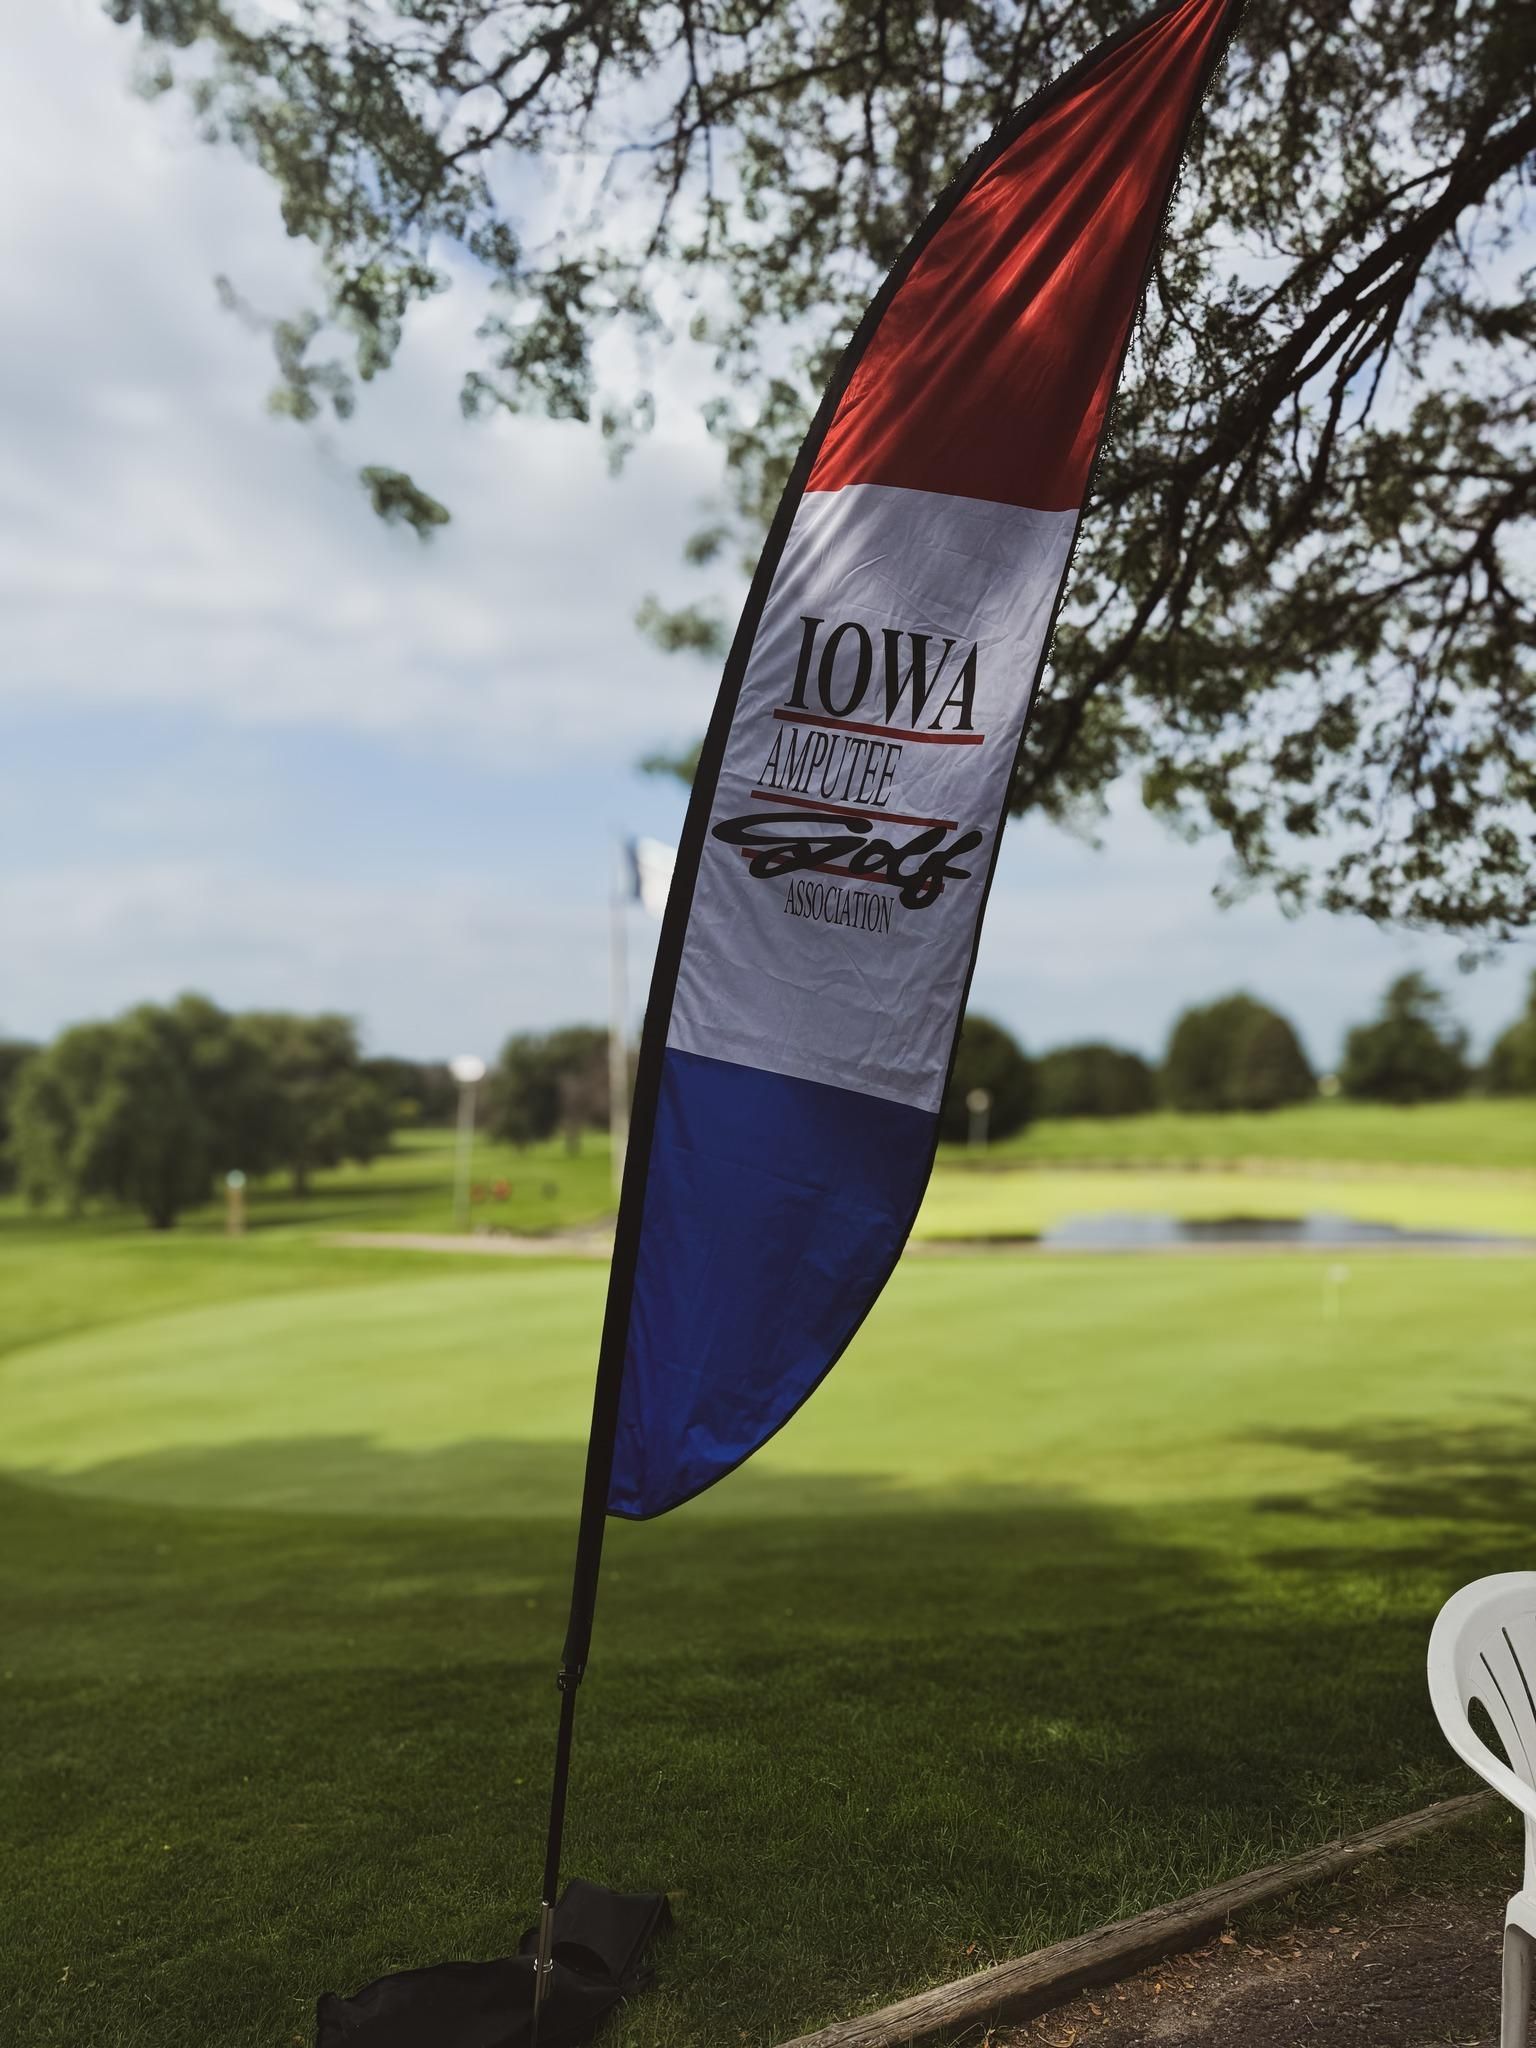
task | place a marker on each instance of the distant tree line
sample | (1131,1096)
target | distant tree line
(154,1107)
(1236,1054)
(1233,1054)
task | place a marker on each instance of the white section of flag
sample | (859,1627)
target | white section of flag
(835,980)
(652,862)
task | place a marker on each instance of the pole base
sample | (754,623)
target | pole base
(600,1943)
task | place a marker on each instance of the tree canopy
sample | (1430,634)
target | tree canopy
(989,1057)
(1093,1080)
(1413,1052)
(146,1109)
(1512,1058)
(1303,610)
(323,1108)
(1235,1054)
(546,1081)
(418,1091)
(14,1054)
(153,1107)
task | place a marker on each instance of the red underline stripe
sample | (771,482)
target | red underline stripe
(891,881)
(825,868)
(884,732)
(805,803)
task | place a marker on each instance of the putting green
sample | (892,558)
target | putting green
(467,1393)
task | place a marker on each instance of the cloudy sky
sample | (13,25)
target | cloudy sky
(255,743)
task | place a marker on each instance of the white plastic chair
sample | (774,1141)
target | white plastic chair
(1483,1648)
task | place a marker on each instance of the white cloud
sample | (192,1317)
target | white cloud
(1077,945)
(429,968)
(165,542)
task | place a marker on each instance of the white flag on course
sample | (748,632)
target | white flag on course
(651,864)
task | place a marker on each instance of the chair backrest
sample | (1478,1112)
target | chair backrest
(1483,1648)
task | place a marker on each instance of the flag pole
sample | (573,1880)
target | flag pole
(605,1415)
(573,1664)
(594,1505)
(618,1022)
(584,1578)
(639,1126)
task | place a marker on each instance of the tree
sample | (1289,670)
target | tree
(991,1058)
(418,1091)
(146,1109)
(523,1095)
(1413,1052)
(325,1109)
(549,1081)
(1094,1080)
(1512,1061)
(1303,611)
(1235,1054)
(14,1054)
(1269,1067)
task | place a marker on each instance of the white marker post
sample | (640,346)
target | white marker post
(469,1071)
(978,1103)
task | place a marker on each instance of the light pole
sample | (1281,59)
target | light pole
(469,1071)
(978,1103)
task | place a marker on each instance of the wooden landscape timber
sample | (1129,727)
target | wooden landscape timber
(1031,1984)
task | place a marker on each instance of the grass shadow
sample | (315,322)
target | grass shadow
(872,1736)
(1454,1502)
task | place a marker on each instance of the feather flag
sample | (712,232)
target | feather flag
(845,820)
(825,906)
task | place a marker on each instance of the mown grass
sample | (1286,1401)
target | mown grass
(1079,1584)
(529,1190)
(1347,1153)
(962,1203)
(1476,1132)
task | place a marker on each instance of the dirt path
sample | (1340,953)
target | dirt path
(596,1243)
(1423,1973)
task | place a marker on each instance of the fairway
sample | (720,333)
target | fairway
(1081,1583)
(1469,1133)
(968,1202)
(466,1392)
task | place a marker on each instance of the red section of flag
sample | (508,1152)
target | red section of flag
(991,371)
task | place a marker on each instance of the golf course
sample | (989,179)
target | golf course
(1084,1581)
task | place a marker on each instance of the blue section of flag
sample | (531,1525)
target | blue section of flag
(774,1212)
